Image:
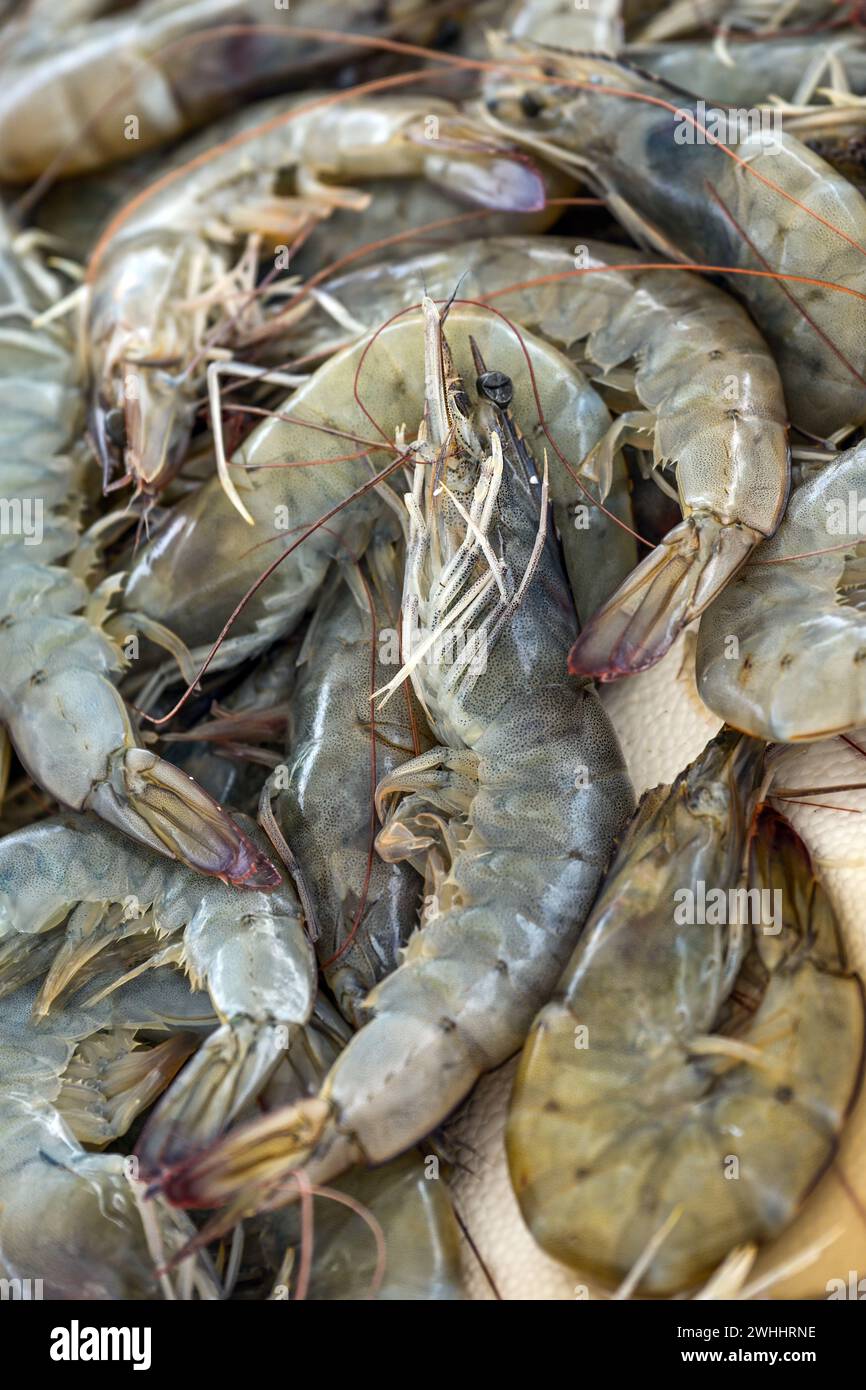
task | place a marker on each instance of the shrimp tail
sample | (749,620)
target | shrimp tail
(251,1167)
(227,1073)
(671,587)
(505,180)
(155,802)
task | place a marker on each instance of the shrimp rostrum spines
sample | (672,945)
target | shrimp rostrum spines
(512,817)
(67,722)
(320,449)
(711,403)
(686,1087)
(782,652)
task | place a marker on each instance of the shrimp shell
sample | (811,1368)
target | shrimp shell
(513,815)
(713,407)
(782,653)
(673,183)
(688,1080)
(67,722)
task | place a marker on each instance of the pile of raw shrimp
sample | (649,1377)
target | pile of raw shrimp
(432,649)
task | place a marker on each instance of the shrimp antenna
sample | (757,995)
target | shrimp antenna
(443,314)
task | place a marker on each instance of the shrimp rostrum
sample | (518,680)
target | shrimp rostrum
(67,722)
(511,817)
(686,1087)
(710,404)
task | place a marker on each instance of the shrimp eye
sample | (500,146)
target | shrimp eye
(496,386)
(530,106)
(115,428)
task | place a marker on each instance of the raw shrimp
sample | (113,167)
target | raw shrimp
(205,548)
(782,653)
(696,16)
(512,818)
(687,1086)
(163,277)
(69,726)
(155,65)
(407,203)
(752,199)
(596,27)
(68,1217)
(750,73)
(73,213)
(365,909)
(834,835)
(132,910)
(418,1230)
(225,753)
(722,425)
(406,1199)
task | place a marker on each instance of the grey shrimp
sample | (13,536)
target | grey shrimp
(179,262)
(66,103)
(365,909)
(126,910)
(757,201)
(72,1218)
(712,406)
(781,653)
(686,1086)
(511,818)
(67,722)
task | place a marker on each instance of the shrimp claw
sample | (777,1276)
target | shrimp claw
(673,585)
(155,802)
